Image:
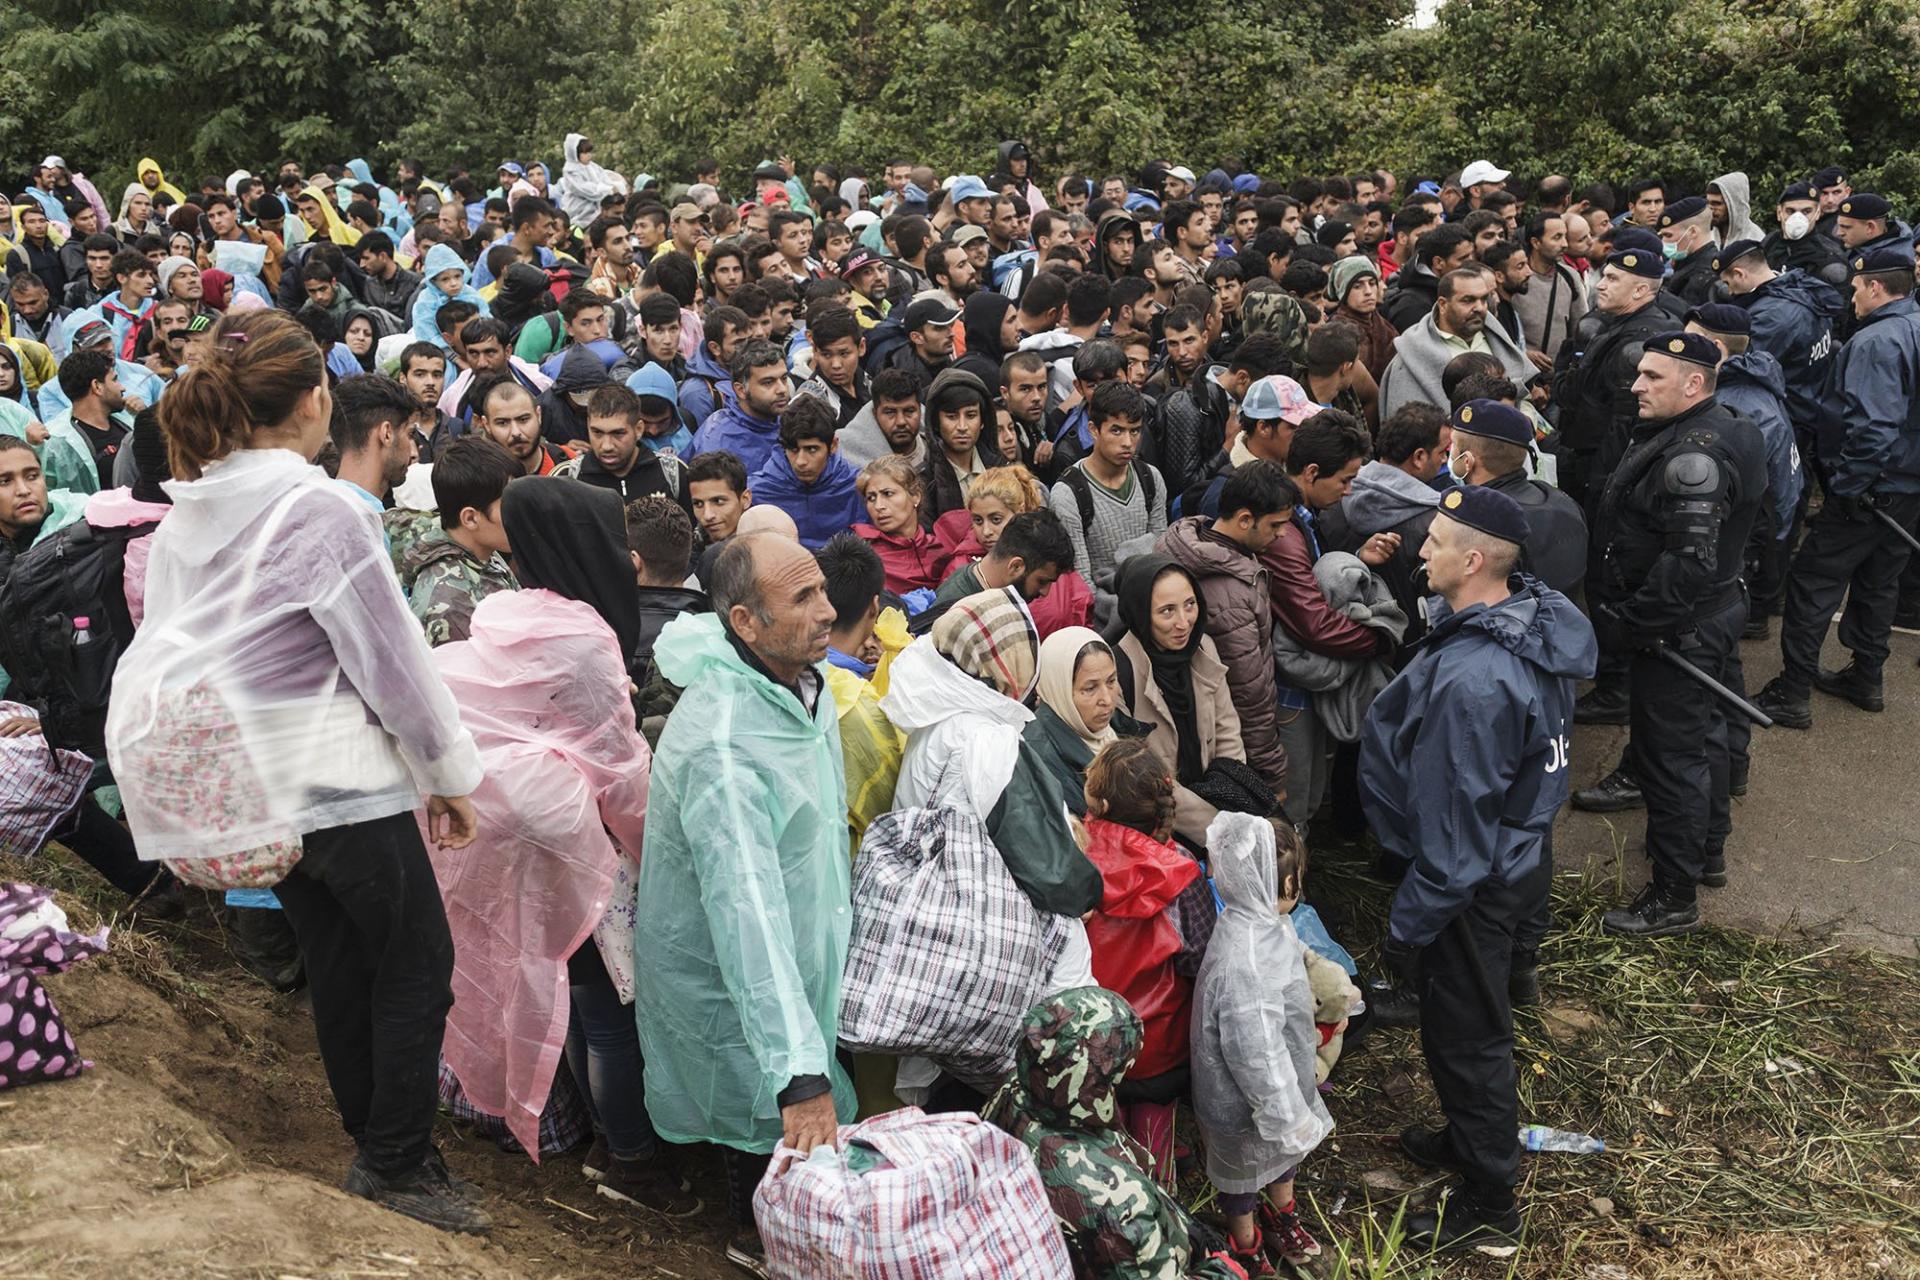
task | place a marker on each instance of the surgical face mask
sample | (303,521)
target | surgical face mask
(1796,226)
(1671,250)
(1457,468)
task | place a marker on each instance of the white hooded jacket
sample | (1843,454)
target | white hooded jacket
(583,184)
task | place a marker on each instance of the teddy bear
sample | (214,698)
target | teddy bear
(1334,996)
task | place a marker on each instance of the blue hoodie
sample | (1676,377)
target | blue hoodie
(750,439)
(699,400)
(652,380)
(828,506)
(1753,386)
(1463,760)
(440,258)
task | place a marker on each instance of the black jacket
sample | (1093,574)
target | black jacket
(1817,255)
(1672,524)
(1556,532)
(1693,279)
(1595,391)
(658,607)
(1410,296)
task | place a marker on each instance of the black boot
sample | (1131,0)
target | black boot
(1737,779)
(1463,1223)
(1714,876)
(1656,913)
(1759,627)
(425,1195)
(1430,1148)
(1853,682)
(264,944)
(1785,705)
(1616,792)
(1523,979)
(1392,1006)
(1602,704)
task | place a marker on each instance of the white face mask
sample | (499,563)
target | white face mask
(1796,225)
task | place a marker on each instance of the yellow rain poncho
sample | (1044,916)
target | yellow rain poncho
(337,229)
(746,889)
(159,184)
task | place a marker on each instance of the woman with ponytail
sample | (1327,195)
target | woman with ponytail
(279,707)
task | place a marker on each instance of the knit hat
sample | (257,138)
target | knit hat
(991,636)
(1342,275)
(170,267)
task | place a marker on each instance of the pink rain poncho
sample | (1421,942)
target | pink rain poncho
(542,688)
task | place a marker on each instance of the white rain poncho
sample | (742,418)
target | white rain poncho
(279,684)
(1253,1036)
(583,184)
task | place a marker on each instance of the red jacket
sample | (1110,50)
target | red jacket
(911,563)
(1299,606)
(1133,940)
(1068,603)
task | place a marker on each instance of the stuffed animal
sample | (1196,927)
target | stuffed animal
(1334,996)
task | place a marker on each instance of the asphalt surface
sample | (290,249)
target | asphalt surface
(1826,843)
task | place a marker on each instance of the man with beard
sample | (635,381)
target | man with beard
(369,428)
(505,412)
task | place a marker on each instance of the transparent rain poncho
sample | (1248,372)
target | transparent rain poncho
(278,684)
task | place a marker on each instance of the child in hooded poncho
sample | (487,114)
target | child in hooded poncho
(446,281)
(1254,1040)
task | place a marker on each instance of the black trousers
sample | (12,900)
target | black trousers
(1466,1033)
(106,846)
(1536,922)
(1679,749)
(1852,555)
(363,903)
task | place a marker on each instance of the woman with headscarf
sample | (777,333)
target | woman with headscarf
(1173,681)
(990,322)
(1079,695)
(541,905)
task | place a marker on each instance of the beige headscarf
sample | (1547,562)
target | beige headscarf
(1059,656)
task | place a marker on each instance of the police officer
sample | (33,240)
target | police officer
(1672,526)
(1686,231)
(1597,412)
(1463,765)
(1871,453)
(1797,244)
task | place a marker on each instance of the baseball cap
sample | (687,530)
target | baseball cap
(857,261)
(860,219)
(1488,510)
(967,186)
(1277,396)
(93,331)
(687,211)
(513,167)
(968,234)
(928,311)
(1183,173)
(53,162)
(1482,171)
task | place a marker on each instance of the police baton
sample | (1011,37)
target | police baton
(1895,525)
(1726,695)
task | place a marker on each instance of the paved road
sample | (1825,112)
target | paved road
(1826,842)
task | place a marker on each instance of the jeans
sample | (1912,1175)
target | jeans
(364,905)
(603,1052)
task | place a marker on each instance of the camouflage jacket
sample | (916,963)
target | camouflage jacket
(1075,1047)
(445,582)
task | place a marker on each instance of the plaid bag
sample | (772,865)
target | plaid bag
(906,1197)
(947,953)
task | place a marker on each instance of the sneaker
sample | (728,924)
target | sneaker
(1287,1240)
(645,1183)
(437,1161)
(747,1253)
(1523,979)
(1616,792)
(1785,705)
(1714,874)
(1654,914)
(425,1195)
(1252,1260)
(1854,683)
(1430,1148)
(1602,704)
(1460,1223)
(598,1160)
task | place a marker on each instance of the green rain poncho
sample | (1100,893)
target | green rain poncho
(745,895)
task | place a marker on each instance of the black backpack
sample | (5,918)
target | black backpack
(1076,479)
(78,572)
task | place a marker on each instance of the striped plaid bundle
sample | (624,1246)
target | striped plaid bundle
(947,953)
(910,1196)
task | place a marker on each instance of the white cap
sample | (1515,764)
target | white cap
(53,162)
(1181,172)
(1482,171)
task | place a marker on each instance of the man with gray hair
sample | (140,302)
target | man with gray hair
(746,876)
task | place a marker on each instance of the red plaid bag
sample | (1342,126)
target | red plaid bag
(910,1196)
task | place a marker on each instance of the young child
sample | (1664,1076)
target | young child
(808,479)
(1129,827)
(448,276)
(1254,1041)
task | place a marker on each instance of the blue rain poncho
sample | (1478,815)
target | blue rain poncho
(746,892)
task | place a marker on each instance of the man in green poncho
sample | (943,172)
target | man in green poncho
(745,878)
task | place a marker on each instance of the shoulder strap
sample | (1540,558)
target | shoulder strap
(1147,485)
(1076,480)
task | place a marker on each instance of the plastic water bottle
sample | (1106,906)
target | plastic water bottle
(82,635)
(1538,1137)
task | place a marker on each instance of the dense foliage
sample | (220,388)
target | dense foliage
(1681,88)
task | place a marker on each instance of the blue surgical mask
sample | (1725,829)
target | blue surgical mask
(1671,250)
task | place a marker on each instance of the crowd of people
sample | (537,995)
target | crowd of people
(542,605)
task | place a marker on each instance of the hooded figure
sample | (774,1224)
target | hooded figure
(523,294)
(1376,331)
(583,184)
(1112,223)
(981,316)
(830,505)
(1254,1088)
(563,419)
(1733,188)
(542,687)
(1385,499)
(123,223)
(1075,1048)
(441,258)
(1029,190)
(389,201)
(158,185)
(337,229)
(944,490)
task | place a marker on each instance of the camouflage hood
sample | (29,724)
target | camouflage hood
(1075,1047)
